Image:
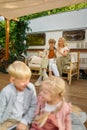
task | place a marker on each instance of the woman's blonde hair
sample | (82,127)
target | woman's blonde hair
(56,86)
(64,41)
(19,69)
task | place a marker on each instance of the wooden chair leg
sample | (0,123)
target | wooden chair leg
(78,75)
(70,77)
(70,80)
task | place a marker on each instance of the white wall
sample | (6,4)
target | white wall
(62,21)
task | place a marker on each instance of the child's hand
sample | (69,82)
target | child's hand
(21,126)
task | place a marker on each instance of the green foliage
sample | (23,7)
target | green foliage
(17,37)
(2,34)
(18,43)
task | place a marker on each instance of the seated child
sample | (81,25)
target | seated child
(48,61)
(53,112)
(18,98)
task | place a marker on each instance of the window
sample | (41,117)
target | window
(74,35)
(36,39)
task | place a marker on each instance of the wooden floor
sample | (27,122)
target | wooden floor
(77,91)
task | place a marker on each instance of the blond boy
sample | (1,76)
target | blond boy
(18,98)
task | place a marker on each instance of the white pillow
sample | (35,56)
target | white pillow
(35,60)
(74,56)
(40,53)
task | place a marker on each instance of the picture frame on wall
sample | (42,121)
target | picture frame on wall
(74,35)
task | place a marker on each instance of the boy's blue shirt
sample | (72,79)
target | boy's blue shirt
(8,97)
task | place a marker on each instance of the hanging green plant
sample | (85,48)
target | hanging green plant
(18,43)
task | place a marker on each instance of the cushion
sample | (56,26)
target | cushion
(77,122)
(67,67)
(35,60)
(34,66)
(40,53)
(74,56)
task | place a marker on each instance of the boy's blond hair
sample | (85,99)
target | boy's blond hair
(19,69)
(56,86)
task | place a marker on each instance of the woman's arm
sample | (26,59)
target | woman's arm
(64,51)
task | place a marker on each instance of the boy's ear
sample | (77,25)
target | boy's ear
(12,79)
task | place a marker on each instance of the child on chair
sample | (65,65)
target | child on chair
(48,61)
(53,112)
